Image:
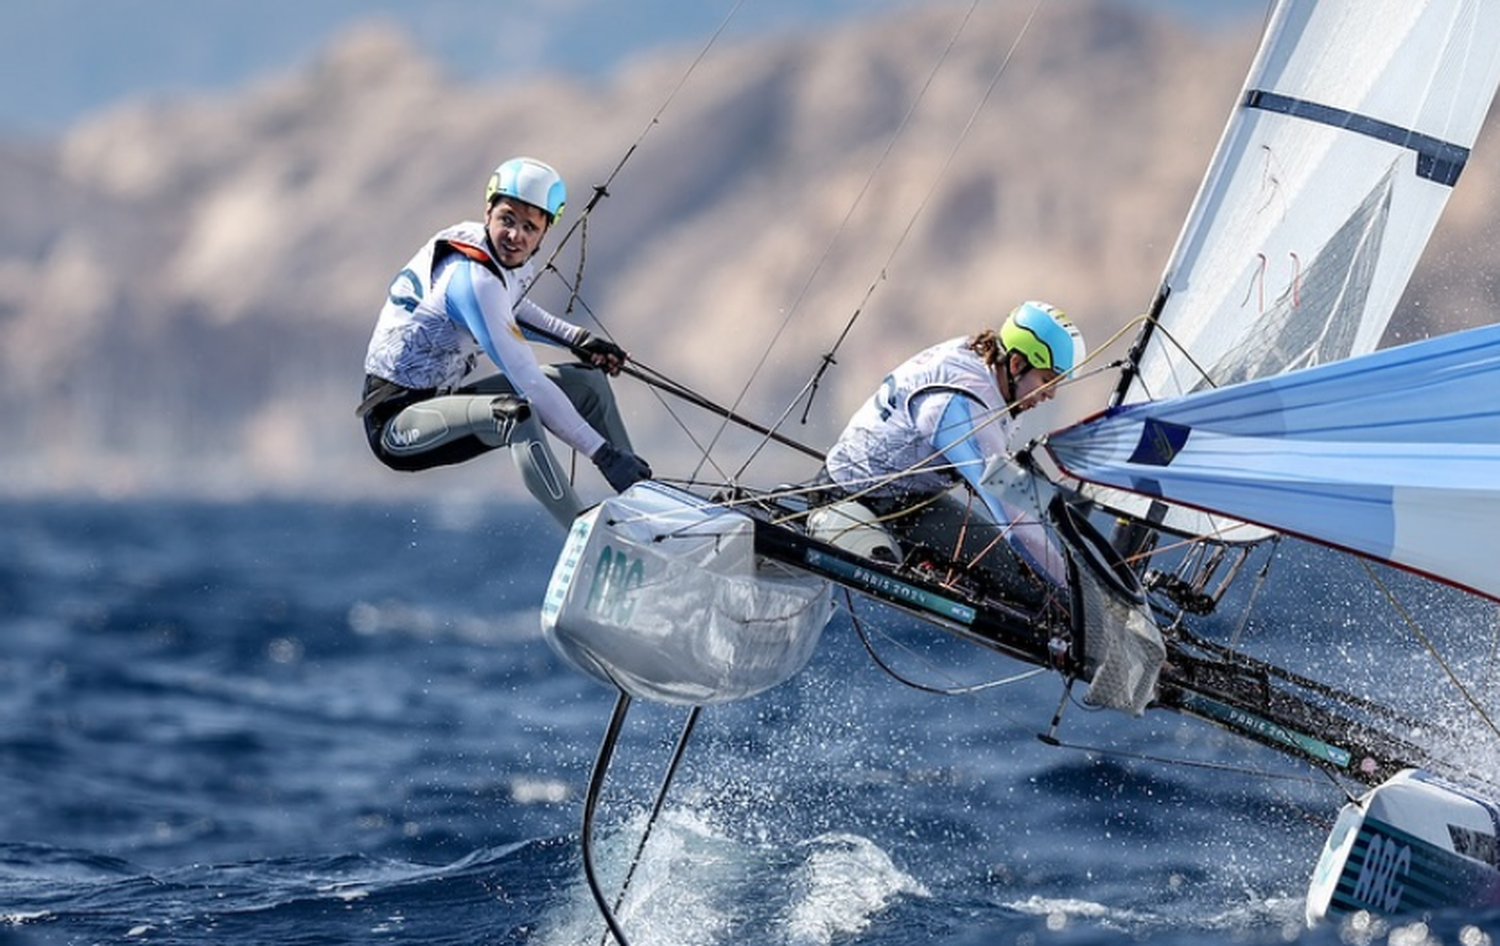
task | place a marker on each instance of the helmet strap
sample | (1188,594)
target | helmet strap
(1008,385)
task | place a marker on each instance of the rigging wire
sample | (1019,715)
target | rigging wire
(660,381)
(660,384)
(1328,773)
(828,357)
(1260,582)
(966,690)
(809,389)
(601,191)
(896,675)
(1147,319)
(1201,764)
(838,233)
(1326,776)
(730,415)
(1431,648)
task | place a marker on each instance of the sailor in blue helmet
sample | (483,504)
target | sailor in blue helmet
(915,452)
(463,296)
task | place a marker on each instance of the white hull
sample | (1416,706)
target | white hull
(662,595)
(1412,844)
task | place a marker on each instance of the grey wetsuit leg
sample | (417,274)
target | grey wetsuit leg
(588,389)
(540,471)
(427,426)
(441,421)
(456,427)
(961,529)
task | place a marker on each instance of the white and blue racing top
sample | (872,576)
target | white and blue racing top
(453,301)
(935,421)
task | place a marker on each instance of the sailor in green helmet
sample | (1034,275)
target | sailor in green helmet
(915,452)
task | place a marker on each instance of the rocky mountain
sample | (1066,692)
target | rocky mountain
(188,286)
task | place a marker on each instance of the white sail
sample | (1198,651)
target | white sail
(1355,121)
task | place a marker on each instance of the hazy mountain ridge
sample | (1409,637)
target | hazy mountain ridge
(188,287)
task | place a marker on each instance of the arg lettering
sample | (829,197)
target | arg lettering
(1382,877)
(612,594)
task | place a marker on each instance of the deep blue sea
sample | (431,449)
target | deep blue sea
(292,723)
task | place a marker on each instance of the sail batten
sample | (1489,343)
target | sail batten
(1437,160)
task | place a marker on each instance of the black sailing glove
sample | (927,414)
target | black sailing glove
(602,353)
(621,467)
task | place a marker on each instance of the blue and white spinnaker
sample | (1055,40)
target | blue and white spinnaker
(1394,455)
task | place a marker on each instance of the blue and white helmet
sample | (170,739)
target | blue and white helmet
(1044,335)
(529,181)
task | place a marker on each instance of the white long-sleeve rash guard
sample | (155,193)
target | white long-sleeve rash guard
(937,416)
(451,301)
(487,308)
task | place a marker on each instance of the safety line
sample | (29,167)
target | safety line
(601,191)
(834,239)
(810,389)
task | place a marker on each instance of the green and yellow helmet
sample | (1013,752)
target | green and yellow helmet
(1044,336)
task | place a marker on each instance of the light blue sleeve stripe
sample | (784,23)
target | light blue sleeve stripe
(463,308)
(954,438)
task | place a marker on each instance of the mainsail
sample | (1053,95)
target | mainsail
(1355,121)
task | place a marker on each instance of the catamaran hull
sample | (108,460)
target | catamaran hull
(661,594)
(1411,844)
